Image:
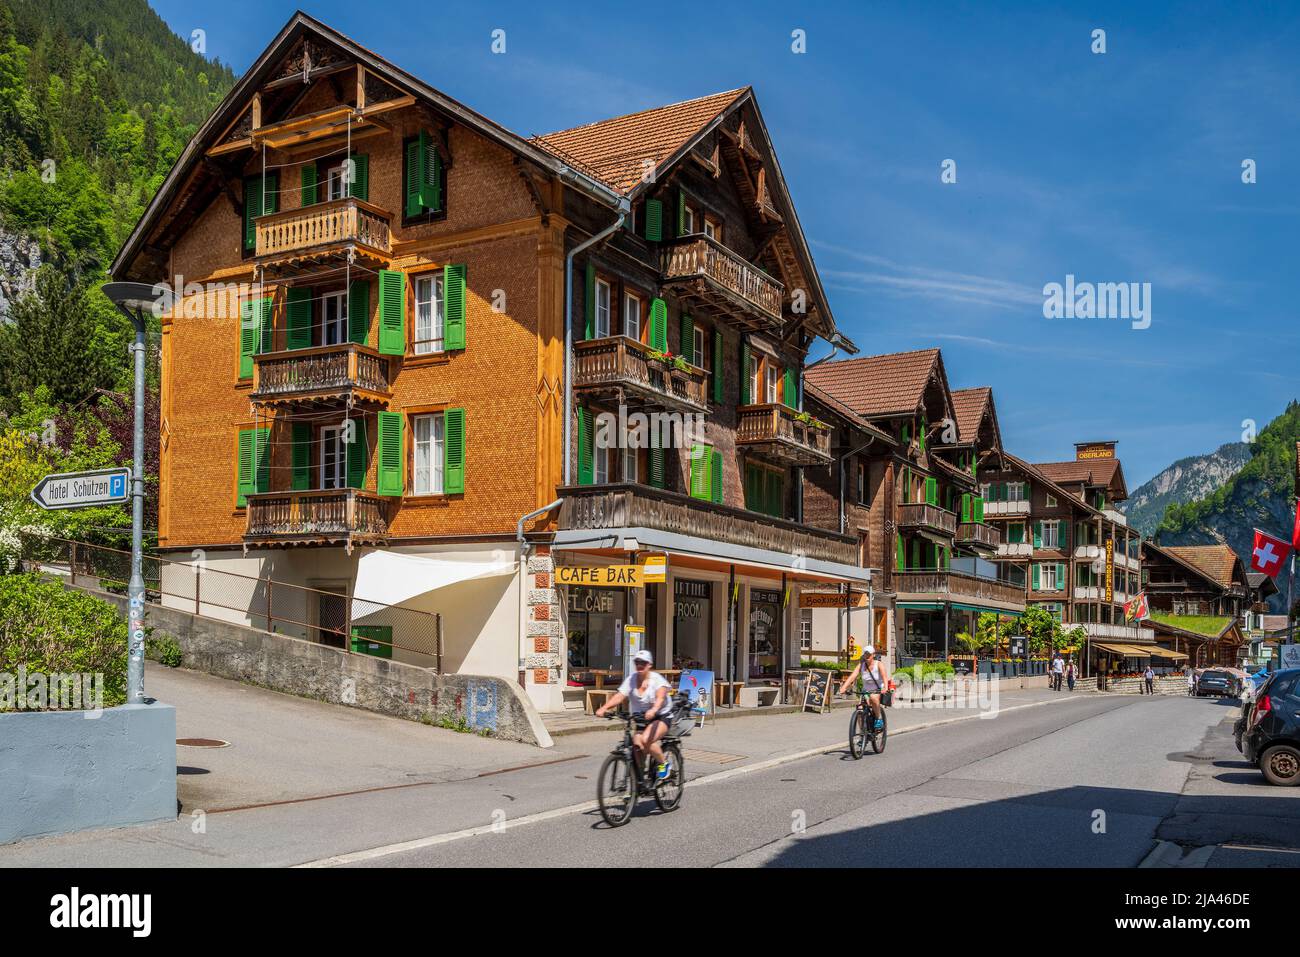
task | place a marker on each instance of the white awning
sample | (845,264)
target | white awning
(391,578)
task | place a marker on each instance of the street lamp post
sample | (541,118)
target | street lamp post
(134,300)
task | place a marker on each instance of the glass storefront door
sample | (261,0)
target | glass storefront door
(595,630)
(764,633)
(693,624)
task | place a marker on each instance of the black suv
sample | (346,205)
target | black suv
(1215,682)
(1271,736)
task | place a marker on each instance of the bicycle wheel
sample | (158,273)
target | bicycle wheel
(857,734)
(668,792)
(616,789)
(878,735)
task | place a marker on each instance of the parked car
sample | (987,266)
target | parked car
(1271,734)
(1220,683)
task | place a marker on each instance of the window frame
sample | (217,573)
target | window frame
(602,283)
(341,320)
(437,461)
(438,343)
(632,296)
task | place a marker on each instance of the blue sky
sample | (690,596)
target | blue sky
(1115,167)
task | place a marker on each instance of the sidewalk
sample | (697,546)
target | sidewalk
(302,780)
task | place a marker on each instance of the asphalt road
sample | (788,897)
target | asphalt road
(1106,781)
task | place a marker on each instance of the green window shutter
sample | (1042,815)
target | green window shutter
(453,292)
(248,337)
(262,472)
(244,483)
(590,300)
(659,325)
(392,312)
(654,220)
(979,509)
(359,311)
(751,499)
(965,508)
(454,455)
(586,448)
(744,371)
(415,175)
(715,477)
(701,471)
(921,435)
(900,558)
(1038,534)
(376,640)
(308,192)
(717,365)
(1035,582)
(1060,576)
(265,329)
(432,175)
(788,394)
(272,204)
(688,340)
(358,456)
(775,494)
(658,476)
(1063,535)
(932,491)
(359,188)
(301,456)
(252,209)
(681,213)
(388,474)
(916,554)
(298,308)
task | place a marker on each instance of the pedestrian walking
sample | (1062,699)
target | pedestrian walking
(1191,682)
(1058,672)
(1070,674)
(1149,677)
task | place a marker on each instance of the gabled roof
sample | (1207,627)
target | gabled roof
(1090,472)
(1176,556)
(616,150)
(848,415)
(880,386)
(230,108)
(1061,493)
(1215,561)
(1213,627)
(969,408)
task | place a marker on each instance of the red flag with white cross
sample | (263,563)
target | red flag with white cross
(1295,534)
(1269,554)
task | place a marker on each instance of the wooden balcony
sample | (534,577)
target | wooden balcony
(703,272)
(322,375)
(924,515)
(345,516)
(622,368)
(977,535)
(776,431)
(595,507)
(943,585)
(322,234)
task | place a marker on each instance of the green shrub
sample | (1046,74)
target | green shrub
(49,629)
(163,649)
(825,665)
(922,670)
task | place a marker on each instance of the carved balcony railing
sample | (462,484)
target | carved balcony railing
(978,535)
(958,586)
(625,505)
(614,365)
(924,515)
(777,431)
(323,230)
(703,270)
(345,516)
(322,374)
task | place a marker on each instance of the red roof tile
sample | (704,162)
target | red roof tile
(616,150)
(892,384)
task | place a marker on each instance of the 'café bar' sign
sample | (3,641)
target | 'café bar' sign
(600,576)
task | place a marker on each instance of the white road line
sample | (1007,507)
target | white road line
(434,840)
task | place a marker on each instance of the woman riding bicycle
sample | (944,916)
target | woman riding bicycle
(875,676)
(652,701)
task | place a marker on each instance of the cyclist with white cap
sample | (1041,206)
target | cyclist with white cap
(652,702)
(875,675)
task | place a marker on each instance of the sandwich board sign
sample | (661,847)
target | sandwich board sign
(83,489)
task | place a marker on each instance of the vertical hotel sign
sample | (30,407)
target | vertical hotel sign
(1110,570)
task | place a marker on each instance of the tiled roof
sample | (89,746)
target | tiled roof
(1090,471)
(891,384)
(968,407)
(615,150)
(1215,561)
(839,408)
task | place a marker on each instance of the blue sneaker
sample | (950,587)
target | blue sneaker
(880,723)
(662,772)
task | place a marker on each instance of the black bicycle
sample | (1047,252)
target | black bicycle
(621,781)
(862,726)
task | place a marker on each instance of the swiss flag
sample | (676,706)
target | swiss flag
(1295,534)
(1268,554)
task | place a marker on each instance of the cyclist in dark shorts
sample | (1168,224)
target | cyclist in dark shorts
(652,701)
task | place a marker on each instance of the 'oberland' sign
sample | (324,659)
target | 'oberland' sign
(1099,450)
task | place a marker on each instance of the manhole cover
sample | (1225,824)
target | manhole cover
(202,743)
(709,757)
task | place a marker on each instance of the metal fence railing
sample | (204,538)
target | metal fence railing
(331,617)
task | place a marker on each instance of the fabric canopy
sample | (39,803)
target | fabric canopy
(1166,653)
(390,578)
